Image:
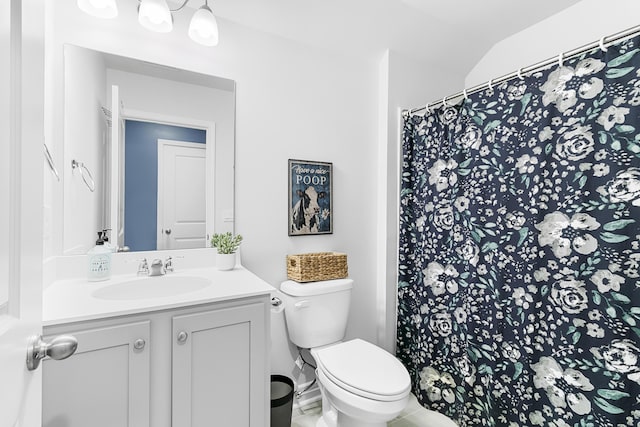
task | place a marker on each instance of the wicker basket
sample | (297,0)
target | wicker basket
(317,266)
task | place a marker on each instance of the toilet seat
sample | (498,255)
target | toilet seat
(364,369)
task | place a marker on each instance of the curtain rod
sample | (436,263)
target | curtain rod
(602,43)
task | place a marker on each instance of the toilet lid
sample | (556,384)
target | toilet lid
(364,369)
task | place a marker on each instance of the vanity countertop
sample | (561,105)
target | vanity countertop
(74,300)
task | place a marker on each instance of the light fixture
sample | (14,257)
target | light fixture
(203,28)
(155,15)
(99,8)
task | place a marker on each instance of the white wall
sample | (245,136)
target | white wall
(85,139)
(404,83)
(578,25)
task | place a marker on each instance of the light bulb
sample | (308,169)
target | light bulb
(203,28)
(154,15)
(99,8)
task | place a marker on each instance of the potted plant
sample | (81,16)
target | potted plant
(226,244)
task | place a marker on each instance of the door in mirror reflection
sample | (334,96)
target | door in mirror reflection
(181,195)
(164,186)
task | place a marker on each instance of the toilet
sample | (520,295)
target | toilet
(361,384)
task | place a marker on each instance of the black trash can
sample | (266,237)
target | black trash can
(281,400)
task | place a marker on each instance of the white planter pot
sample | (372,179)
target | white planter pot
(225,261)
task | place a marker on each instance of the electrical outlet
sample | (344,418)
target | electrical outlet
(299,362)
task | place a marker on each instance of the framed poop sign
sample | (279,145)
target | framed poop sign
(310,197)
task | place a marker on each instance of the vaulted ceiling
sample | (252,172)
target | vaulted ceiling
(458,32)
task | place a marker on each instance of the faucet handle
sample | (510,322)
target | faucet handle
(143,267)
(168,264)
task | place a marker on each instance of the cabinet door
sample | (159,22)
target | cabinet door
(218,368)
(105,383)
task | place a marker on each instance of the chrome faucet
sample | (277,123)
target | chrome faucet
(157,267)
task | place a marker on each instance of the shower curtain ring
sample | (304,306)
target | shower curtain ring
(427,108)
(520,74)
(490,84)
(561,59)
(601,43)
(464,93)
(444,102)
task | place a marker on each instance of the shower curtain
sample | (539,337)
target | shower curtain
(518,296)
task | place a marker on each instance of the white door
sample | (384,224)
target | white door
(182,210)
(21,186)
(115,195)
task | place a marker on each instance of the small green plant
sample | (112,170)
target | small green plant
(226,243)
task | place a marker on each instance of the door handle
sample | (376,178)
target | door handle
(58,348)
(167,231)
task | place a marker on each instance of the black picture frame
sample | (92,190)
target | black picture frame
(310,198)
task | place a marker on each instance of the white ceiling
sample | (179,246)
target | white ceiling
(458,32)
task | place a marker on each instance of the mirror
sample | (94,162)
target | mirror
(148,152)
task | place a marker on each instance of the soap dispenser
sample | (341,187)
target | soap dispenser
(107,243)
(99,258)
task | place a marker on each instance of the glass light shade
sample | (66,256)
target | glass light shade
(99,8)
(154,15)
(203,28)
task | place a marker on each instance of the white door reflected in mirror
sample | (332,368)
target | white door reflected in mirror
(181,195)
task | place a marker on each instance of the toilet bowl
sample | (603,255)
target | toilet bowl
(361,384)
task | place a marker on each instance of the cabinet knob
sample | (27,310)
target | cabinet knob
(182,337)
(139,344)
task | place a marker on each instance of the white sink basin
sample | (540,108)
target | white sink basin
(152,287)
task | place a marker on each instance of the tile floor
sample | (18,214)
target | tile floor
(413,415)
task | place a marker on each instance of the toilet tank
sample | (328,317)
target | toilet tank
(316,312)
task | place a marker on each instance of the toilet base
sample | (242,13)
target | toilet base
(338,408)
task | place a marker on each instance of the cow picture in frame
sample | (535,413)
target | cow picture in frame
(310,197)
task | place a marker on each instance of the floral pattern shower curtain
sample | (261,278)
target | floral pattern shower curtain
(519,291)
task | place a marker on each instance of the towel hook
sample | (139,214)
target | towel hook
(85,173)
(561,59)
(601,43)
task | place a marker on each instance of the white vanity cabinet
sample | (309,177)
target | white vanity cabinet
(105,383)
(218,367)
(204,365)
